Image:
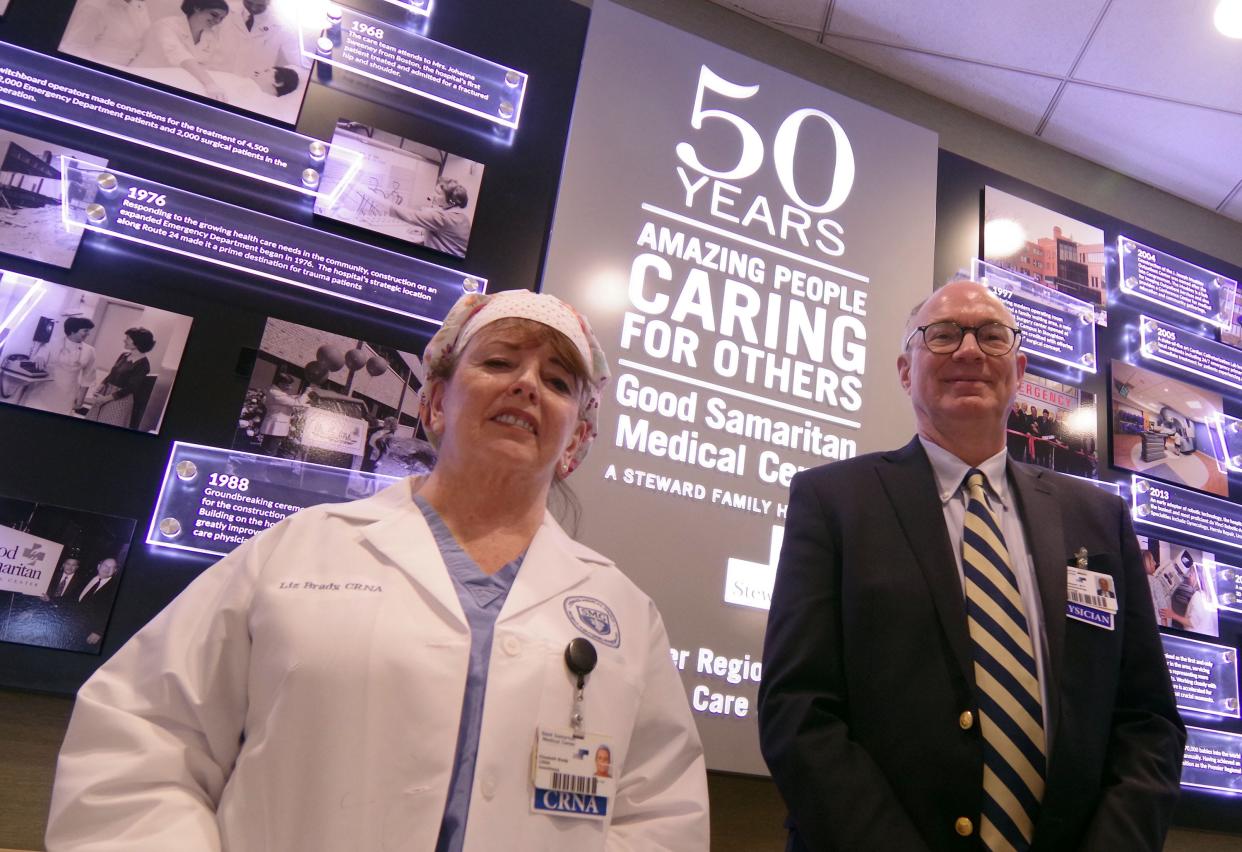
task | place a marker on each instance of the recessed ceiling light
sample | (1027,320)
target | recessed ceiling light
(1228,18)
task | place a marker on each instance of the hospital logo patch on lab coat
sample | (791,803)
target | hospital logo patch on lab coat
(593,617)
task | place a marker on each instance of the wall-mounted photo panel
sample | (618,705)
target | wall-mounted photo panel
(1052,424)
(31,189)
(1059,252)
(326,398)
(1162,428)
(1183,585)
(59,574)
(245,57)
(404,189)
(85,355)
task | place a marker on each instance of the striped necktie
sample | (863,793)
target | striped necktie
(1011,720)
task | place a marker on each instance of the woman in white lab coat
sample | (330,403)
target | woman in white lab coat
(348,681)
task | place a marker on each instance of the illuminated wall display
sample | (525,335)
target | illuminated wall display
(171,219)
(382,51)
(737,253)
(212,500)
(255,67)
(83,97)
(1205,676)
(1175,284)
(1191,353)
(1213,760)
(1185,512)
(59,573)
(1056,327)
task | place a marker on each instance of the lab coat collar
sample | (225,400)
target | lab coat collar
(395,527)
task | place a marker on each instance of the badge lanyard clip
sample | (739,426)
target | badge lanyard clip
(580,659)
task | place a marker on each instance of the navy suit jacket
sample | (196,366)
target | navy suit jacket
(868,670)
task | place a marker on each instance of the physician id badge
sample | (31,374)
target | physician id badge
(572,774)
(1090,597)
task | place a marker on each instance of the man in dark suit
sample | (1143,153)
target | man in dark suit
(94,605)
(66,583)
(925,686)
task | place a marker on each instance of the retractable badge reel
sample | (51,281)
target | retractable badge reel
(580,659)
(571,770)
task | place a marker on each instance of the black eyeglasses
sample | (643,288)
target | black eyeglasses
(944,338)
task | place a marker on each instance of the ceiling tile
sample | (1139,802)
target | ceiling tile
(1184,150)
(1044,36)
(802,14)
(1168,49)
(1010,97)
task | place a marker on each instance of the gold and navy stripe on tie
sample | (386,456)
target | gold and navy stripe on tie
(1010,714)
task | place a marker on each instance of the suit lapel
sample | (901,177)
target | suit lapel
(1041,522)
(911,486)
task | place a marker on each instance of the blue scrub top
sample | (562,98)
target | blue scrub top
(482,596)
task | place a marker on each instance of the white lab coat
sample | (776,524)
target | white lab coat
(259,713)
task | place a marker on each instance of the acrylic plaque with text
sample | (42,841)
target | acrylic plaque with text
(1180,510)
(1056,327)
(1191,353)
(1175,284)
(170,219)
(213,500)
(83,97)
(382,51)
(1205,676)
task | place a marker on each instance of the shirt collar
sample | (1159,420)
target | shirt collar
(950,471)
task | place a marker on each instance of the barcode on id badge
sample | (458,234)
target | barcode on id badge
(1085,599)
(563,782)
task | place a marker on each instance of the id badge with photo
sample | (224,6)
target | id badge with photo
(572,774)
(1090,597)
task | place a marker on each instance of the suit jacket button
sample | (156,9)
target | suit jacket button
(966,721)
(964,826)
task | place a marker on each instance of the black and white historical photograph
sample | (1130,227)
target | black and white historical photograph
(32,224)
(400,187)
(245,53)
(326,398)
(60,570)
(81,354)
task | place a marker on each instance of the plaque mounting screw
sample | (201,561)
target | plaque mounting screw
(186,471)
(318,151)
(96,214)
(170,527)
(512,78)
(470,285)
(310,178)
(107,181)
(506,109)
